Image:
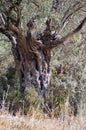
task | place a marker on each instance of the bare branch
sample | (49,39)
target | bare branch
(56,42)
(69,14)
(9,35)
(74,31)
(63,26)
(70,11)
(2,19)
(13,28)
(35,3)
(83,10)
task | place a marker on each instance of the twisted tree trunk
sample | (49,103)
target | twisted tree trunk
(32,57)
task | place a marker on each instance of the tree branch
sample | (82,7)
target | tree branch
(74,31)
(55,43)
(69,14)
(17,9)
(84,10)
(13,28)
(35,3)
(3,20)
(8,35)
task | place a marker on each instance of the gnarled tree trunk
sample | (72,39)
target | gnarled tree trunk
(32,56)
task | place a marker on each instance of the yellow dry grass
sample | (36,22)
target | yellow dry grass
(39,121)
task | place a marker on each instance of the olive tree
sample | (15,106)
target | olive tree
(31,54)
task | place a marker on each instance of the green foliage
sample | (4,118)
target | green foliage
(27,102)
(57,99)
(31,100)
(69,73)
(7,80)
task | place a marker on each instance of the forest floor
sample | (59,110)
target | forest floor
(42,122)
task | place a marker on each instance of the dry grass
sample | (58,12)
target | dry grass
(39,121)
